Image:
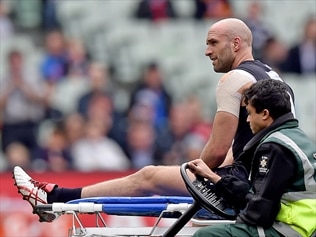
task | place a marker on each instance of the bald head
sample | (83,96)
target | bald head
(233,27)
(229,43)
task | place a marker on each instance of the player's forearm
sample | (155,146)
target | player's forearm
(213,157)
(220,141)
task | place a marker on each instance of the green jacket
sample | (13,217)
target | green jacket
(297,216)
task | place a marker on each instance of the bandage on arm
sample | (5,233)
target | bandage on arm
(229,91)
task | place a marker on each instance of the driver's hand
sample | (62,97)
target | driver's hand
(199,167)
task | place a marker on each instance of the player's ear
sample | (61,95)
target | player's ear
(236,43)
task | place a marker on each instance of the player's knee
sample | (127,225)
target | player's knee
(147,173)
(146,176)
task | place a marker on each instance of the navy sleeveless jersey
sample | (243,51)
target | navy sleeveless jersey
(259,71)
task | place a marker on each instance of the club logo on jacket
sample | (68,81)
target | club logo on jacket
(263,165)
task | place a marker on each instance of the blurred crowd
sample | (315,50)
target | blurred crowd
(62,115)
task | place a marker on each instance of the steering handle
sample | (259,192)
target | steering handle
(203,193)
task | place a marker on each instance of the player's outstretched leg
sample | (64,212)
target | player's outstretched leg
(34,192)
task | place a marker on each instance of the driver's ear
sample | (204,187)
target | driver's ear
(265,114)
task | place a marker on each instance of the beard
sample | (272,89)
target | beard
(224,63)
